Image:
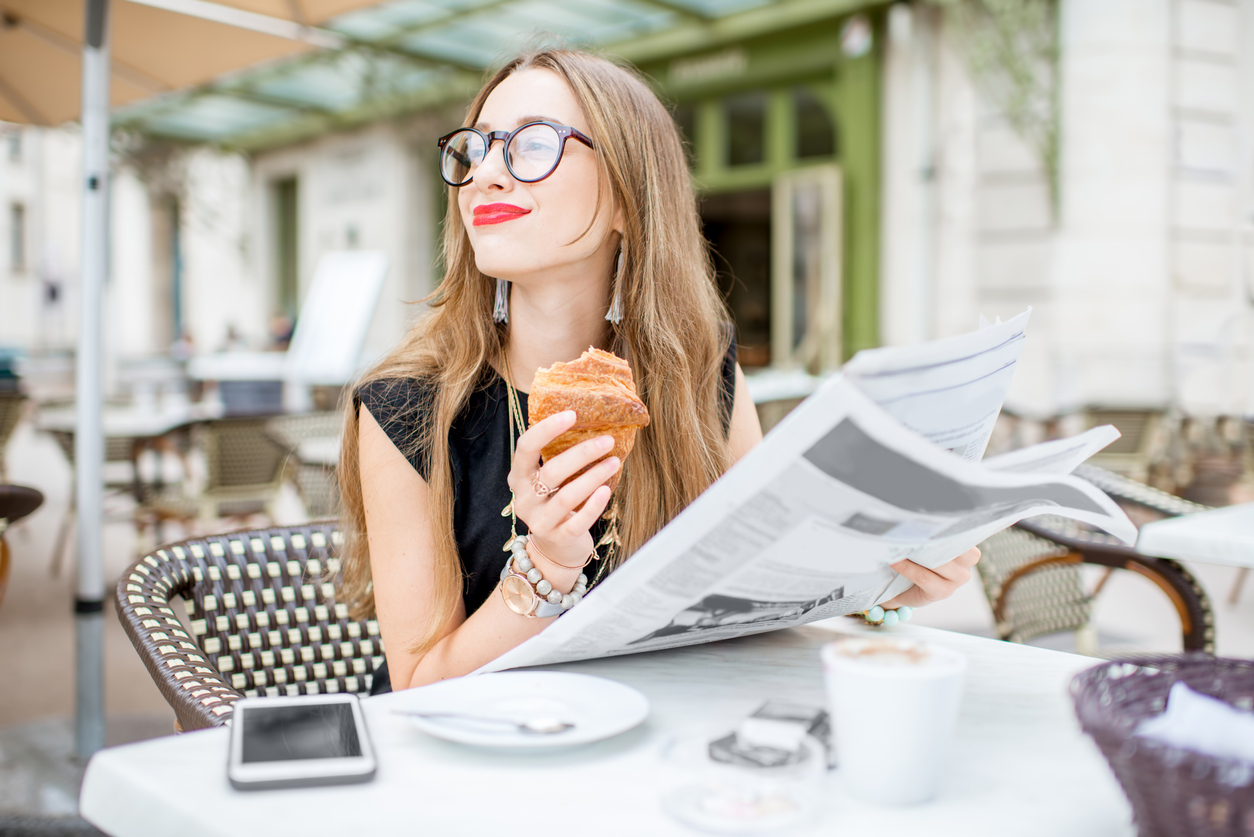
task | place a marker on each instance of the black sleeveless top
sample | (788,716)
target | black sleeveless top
(480,461)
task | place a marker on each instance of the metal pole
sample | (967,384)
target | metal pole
(89,723)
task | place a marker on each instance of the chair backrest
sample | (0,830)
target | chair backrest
(262,619)
(1047,601)
(1054,598)
(1126,490)
(291,430)
(316,483)
(1140,443)
(116,448)
(240,453)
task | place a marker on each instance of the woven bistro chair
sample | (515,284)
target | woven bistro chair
(1143,437)
(244,473)
(315,481)
(1033,582)
(263,621)
(118,450)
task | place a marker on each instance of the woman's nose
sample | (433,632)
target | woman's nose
(491,170)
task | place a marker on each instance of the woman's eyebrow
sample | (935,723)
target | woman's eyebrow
(485,127)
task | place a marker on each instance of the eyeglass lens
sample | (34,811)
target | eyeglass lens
(531,154)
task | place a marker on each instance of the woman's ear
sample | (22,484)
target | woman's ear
(616,220)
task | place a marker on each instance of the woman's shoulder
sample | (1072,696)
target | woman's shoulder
(395,396)
(409,401)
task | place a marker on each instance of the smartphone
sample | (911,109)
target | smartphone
(292,742)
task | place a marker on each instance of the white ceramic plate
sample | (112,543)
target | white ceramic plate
(598,708)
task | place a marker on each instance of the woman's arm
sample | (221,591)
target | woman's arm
(402,557)
(745,430)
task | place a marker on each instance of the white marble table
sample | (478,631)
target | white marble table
(1021,764)
(1220,536)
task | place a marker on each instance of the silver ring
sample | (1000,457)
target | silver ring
(539,487)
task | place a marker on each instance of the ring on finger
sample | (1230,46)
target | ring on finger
(539,487)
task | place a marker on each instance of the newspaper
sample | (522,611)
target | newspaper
(806,525)
(948,391)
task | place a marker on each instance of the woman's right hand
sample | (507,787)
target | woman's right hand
(561,521)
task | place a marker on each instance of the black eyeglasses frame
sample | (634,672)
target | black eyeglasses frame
(564,132)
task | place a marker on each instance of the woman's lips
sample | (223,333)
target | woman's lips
(497,213)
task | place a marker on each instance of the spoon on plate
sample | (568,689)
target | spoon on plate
(532,726)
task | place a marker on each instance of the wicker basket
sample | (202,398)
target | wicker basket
(1172,791)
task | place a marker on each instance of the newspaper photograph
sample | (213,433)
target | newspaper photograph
(807,524)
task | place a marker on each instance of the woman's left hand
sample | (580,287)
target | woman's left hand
(933,585)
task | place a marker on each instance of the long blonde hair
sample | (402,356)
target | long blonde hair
(672,333)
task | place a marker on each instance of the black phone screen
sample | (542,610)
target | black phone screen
(287,733)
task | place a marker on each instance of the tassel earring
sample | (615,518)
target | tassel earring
(615,314)
(500,312)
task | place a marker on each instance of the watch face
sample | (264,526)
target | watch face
(519,595)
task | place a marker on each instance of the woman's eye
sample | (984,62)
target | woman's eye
(531,147)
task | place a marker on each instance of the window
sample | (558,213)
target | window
(816,136)
(746,128)
(17,238)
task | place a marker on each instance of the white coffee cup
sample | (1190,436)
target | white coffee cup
(894,705)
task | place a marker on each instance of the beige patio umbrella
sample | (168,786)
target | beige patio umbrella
(65,58)
(154,49)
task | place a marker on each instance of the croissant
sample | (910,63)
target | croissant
(599,388)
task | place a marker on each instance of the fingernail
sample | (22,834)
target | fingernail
(605,442)
(613,461)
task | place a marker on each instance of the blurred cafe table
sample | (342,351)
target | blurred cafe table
(143,428)
(1021,765)
(131,422)
(1219,536)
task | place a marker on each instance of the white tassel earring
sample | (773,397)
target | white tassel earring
(615,314)
(500,312)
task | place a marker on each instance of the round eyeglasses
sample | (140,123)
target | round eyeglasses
(532,151)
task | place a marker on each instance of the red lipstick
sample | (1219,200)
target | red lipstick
(497,213)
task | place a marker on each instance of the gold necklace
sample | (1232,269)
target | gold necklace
(517,426)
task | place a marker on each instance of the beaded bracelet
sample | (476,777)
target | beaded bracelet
(528,593)
(887,617)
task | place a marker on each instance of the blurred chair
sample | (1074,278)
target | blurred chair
(16,501)
(1215,455)
(263,621)
(1032,579)
(313,441)
(12,405)
(117,451)
(1142,441)
(244,472)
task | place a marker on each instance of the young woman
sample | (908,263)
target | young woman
(569,198)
